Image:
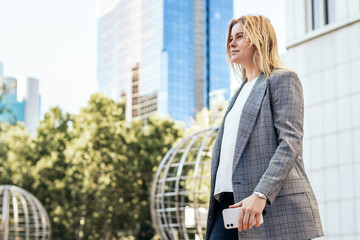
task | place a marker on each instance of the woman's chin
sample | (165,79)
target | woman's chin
(234,60)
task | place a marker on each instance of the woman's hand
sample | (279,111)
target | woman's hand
(252,207)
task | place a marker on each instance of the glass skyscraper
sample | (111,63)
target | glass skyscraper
(20,101)
(165,56)
(12,110)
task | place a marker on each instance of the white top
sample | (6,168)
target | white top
(223,182)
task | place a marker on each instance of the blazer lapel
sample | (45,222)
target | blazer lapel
(217,145)
(248,117)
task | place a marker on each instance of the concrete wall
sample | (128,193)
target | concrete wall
(327,60)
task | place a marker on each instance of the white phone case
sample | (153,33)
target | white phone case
(231,217)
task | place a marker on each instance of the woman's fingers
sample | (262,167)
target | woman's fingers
(240,225)
(251,220)
(248,219)
(239,204)
(250,213)
(258,216)
(245,221)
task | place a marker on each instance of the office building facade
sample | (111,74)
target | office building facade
(21,101)
(177,48)
(1,69)
(12,110)
(323,48)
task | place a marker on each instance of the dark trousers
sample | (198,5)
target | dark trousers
(218,230)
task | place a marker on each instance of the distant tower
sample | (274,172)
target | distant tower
(135,92)
(22,98)
(32,103)
(1,69)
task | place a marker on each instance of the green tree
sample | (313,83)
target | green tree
(94,156)
(15,152)
(154,140)
(92,171)
(119,159)
(49,166)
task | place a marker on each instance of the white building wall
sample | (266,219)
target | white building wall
(328,61)
(341,7)
(32,103)
(1,69)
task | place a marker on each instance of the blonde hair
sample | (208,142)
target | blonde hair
(261,33)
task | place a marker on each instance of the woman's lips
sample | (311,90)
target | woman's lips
(234,51)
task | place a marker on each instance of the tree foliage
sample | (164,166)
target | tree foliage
(15,152)
(92,171)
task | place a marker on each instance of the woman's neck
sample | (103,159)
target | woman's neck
(252,72)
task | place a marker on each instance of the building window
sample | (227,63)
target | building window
(329,11)
(322,13)
(316,14)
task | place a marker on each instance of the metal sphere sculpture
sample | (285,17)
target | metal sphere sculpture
(181,188)
(22,215)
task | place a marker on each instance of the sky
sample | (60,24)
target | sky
(55,41)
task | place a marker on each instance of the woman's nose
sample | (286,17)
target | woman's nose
(232,43)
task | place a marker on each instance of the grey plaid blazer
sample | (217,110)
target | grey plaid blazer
(268,159)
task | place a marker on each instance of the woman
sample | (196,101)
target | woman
(257,158)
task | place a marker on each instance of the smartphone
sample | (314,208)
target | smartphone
(231,217)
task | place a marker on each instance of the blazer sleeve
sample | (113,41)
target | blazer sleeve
(288,114)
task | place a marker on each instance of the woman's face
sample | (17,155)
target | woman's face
(240,50)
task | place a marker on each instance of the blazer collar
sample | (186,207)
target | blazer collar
(248,117)
(259,87)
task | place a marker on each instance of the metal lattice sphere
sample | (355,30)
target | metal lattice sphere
(181,188)
(22,215)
